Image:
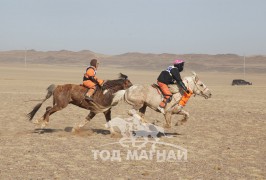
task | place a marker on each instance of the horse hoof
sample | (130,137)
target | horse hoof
(75,130)
(116,135)
(44,124)
(48,108)
(41,131)
(167,126)
(183,121)
(38,121)
(179,123)
(143,121)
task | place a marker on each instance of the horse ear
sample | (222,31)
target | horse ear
(122,76)
(195,75)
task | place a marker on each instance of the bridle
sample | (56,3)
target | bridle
(201,91)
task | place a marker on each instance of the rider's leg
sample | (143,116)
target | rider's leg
(89,94)
(184,100)
(167,96)
(92,87)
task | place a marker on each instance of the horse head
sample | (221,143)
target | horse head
(119,84)
(111,92)
(197,86)
(126,81)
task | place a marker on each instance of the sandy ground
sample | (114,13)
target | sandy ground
(225,135)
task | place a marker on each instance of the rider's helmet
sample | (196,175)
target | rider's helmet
(179,64)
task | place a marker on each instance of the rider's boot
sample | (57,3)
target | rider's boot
(162,106)
(89,94)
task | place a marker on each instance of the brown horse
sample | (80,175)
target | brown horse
(104,98)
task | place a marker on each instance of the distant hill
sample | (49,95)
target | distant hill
(49,57)
(197,62)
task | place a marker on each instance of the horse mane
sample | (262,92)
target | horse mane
(111,86)
(104,99)
(114,84)
(122,76)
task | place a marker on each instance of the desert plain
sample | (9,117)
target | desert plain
(225,136)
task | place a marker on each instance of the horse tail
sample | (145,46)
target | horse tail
(50,91)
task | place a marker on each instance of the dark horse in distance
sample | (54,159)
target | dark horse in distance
(104,98)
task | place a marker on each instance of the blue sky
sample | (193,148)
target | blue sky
(148,26)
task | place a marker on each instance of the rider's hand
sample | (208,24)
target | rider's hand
(188,91)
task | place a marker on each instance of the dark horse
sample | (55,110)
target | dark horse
(104,98)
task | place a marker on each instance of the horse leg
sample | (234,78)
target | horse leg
(84,122)
(49,111)
(141,107)
(143,110)
(185,117)
(168,116)
(107,115)
(40,121)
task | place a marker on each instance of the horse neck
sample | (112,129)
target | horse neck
(189,82)
(105,99)
(112,86)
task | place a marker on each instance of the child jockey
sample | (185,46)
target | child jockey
(90,80)
(169,76)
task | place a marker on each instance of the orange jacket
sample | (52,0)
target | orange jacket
(90,78)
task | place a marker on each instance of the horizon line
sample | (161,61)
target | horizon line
(134,52)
